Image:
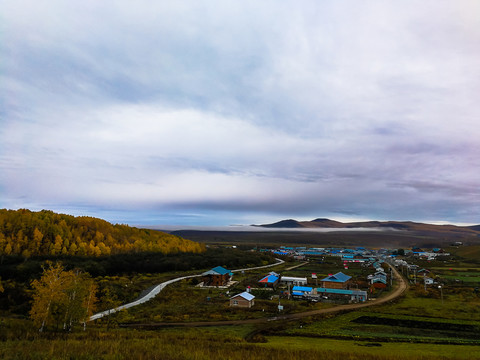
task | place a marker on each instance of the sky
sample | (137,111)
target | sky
(241,112)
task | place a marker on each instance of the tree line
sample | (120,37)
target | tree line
(45,233)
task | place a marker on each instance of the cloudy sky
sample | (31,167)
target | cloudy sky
(222,112)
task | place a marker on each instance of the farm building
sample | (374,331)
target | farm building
(336,281)
(295,281)
(217,276)
(244,299)
(271,280)
(342,294)
(300,291)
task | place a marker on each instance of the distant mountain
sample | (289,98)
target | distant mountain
(289,223)
(326,223)
(396,225)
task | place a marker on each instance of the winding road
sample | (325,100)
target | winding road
(156,290)
(400,287)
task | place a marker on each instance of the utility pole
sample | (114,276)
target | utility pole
(441,292)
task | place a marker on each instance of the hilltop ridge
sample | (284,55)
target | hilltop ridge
(394,225)
(28,233)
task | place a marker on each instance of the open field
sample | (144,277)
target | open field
(368,349)
(368,239)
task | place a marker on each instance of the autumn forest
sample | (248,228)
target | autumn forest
(27,233)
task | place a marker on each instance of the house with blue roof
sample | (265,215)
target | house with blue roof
(336,281)
(378,281)
(271,280)
(218,276)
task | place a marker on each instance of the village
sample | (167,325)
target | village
(324,275)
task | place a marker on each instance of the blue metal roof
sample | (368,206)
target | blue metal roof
(217,271)
(341,291)
(378,279)
(338,277)
(302,288)
(335,291)
(308,252)
(269,279)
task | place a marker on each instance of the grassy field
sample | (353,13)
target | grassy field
(216,343)
(377,326)
(369,350)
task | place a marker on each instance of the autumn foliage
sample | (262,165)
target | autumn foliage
(27,233)
(62,297)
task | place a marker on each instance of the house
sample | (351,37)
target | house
(300,291)
(336,281)
(271,280)
(378,282)
(378,274)
(295,281)
(245,300)
(217,276)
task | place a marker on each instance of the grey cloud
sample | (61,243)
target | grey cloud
(251,108)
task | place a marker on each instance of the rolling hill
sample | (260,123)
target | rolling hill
(394,225)
(27,233)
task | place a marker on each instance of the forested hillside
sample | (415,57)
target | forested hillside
(27,233)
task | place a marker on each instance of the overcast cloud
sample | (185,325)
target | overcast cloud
(219,112)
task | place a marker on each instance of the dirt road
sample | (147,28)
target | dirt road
(400,287)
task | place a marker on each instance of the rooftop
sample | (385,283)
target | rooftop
(245,295)
(217,271)
(338,277)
